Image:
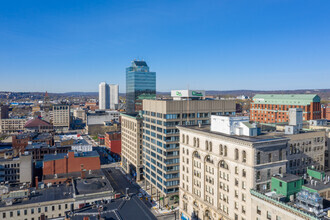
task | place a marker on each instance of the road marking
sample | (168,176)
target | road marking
(114,181)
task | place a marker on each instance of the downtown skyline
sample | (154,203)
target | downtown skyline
(73,45)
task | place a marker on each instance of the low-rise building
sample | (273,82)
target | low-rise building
(57,164)
(12,125)
(17,169)
(20,141)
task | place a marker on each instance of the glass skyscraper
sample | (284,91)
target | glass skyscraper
(140,84)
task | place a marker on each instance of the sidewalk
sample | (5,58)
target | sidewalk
(145,196)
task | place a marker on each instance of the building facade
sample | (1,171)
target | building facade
(306,149)
(140,84)
(70,162)
(131,145)
(161,156)
(61,117)
(17,170)
(113,142)
(218,170)
(12,125)
(274,108)
(104,96)
(4,111)
(114,96)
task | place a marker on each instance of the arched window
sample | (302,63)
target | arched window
(194,141)
(223,164)
(236,154)
(187,139)
(183,138)
(243,156)
(225,153)
(207,145)
(210,146)
(258,158)
(221,149)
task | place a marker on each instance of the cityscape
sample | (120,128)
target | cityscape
(138,142)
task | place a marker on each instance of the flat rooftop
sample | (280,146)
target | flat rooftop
(253,139)
(52,193)
(132,209)
(287,177)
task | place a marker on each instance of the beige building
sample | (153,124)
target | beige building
(306,149)
(131,144)
(80,113)
(61,116)
(161,156)
(217,172)
(12,125)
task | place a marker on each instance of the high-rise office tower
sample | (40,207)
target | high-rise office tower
(160,142)
(104,96)
(114,96)
(140,84)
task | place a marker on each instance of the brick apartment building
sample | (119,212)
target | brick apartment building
(56,167)
(20,141)
(274,108)
(325,112)
(113,142)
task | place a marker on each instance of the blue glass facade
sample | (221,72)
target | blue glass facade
(140,84)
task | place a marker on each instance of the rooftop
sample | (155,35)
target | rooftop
(253,139)
(36,122)
(117,209)
(50,157)
(59,192)
(287,177)
(285,99)
(139,63)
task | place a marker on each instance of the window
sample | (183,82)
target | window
(269,216)
(183,138)
(187,139)
(221,149)
(280,155)
(3,215)
(280,170)
(268,173)
(258,175)
(225,151)
(244,173)
(269,157)
(258,210)
(243,156)
(18,212)
(258,158)
(207,145)
(236,154)
(236,170)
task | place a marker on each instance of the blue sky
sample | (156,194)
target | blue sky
(66,45)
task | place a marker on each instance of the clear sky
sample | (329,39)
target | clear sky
(66,45)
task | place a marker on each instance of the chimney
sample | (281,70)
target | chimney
(83,174)
(36,182)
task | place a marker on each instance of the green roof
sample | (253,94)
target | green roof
(286,99)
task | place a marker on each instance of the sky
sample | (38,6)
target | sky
(73,45)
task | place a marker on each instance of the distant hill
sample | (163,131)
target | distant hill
(323,93)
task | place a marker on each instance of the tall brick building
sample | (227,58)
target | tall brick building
(113,142)
(274,108)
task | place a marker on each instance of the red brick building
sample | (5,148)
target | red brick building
(70,162)
(113,142)
(274,108)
